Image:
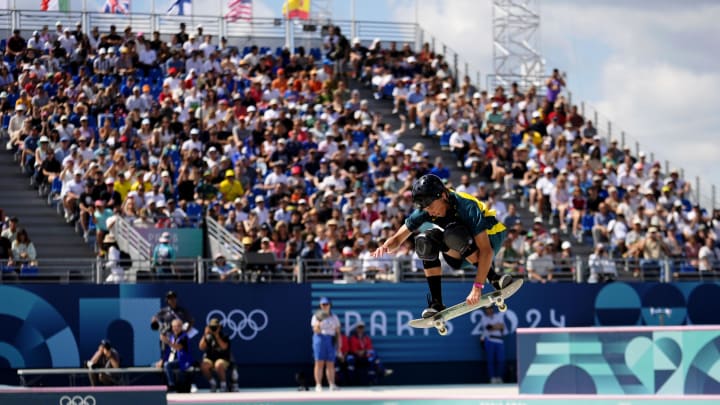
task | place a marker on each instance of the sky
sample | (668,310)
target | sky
(650,67)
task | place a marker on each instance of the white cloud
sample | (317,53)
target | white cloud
(651,70)
(656,75)
(462,25)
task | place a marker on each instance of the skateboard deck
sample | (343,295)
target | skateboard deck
(496,298)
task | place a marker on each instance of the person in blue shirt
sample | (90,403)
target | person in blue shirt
(456,224)
(440,170)
(176,357)
(163,259)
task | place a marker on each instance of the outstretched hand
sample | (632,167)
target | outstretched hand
(474,297)
(380,251)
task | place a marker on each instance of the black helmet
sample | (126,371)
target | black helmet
(427,189)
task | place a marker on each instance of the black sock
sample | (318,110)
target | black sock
(435,284)
(492,275)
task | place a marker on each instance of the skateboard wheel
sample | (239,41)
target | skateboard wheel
(443,331)
(502,307)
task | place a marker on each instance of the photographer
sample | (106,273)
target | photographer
(104,357)
(216,347)
(161,321)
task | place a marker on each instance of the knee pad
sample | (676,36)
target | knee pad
(457,237)
(429,244)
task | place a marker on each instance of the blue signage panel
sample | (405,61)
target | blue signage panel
(85,396)
(62,325)
(386,309)
(620,361)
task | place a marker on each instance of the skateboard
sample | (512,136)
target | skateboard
(496,298)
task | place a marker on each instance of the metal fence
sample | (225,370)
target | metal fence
(265,268)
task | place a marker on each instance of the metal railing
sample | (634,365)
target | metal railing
(130,240)
(269,32)
(266,268)
(224,242)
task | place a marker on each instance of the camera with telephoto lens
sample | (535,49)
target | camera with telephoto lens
(213,328)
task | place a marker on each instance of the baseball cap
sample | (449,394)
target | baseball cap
(324,300)
(566,245)
(171,294)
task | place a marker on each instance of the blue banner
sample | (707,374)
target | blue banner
(62,325)
(386,309)
(84,396)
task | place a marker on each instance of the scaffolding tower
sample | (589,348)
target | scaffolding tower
(516,53)
(321,11)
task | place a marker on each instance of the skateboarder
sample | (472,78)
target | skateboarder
(465,229)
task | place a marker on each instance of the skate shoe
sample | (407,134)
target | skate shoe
(502,282)
(433,308)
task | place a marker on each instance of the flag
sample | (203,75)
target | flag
(239,9)
(116,7)
(55,5)
(177,7)
(299,9)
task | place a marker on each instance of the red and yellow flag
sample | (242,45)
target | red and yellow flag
(299,9)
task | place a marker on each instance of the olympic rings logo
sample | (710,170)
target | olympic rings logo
(245,326)
(77,400)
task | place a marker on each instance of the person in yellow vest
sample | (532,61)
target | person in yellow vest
(231,188)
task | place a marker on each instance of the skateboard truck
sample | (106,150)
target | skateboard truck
(499,302)
(439,324)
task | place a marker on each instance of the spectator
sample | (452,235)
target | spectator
(23,251)
(540,263)
(115,260)
(602,266)
(565,261)
(651,249)
(101,215)
(163,258)
(223,269)
(217,355)
(602,218)
(326,344)
(709,256)
(105,357)
(10,232)
(362,355)
(6,258)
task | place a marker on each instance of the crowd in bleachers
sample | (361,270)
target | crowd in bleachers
(541,149)
(276,147)
(17,250)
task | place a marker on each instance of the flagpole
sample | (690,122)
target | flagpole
(353,23)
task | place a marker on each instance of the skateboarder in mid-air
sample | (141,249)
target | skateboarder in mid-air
(463,229)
